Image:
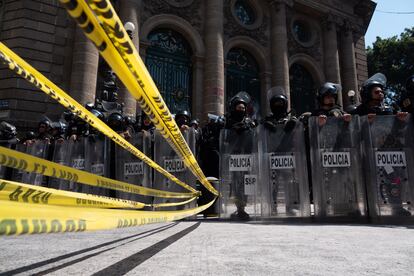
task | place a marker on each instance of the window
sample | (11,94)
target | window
(244,12)
(301,31)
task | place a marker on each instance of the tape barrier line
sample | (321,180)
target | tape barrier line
(112,41)
(171,204)
(21,192)
(18,218)
(22,161)
(22,68)
(26,193)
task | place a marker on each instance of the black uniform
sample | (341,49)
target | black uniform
(365,108)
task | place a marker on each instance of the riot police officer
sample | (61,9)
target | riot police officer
(238,118)
(328,106)
(372,93)
(77,127)
(241,127)
(183,117)
(278,103)
(58,131)
(43,133)
(407,101)
(43,130)
(209,149)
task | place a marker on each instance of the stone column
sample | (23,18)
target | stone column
(198,68)
(349,72)
(84,69)
(129,12)
(280,64)
(213,96)
(331,57)
(266,84)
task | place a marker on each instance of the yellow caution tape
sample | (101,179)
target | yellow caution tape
(22,68)
(111,39)
(20,192)
(21,161)
(171,204)
(24,218)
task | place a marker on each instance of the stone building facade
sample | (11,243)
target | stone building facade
(199,52)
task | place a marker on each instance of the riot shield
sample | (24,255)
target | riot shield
(38,149)
(62,154)
(388,146)
(6,172)
(284,173)
(337,177)
(166,157)
(129,168)
(97,160)
(239,186)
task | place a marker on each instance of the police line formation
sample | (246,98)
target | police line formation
(346,164)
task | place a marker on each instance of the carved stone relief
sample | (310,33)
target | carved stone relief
(191,11)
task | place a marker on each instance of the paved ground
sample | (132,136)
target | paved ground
(215,248)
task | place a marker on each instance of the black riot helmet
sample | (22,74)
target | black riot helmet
(241,97)
(7,131)
(98,114)
(45,123)
(116,121)
(409,86)
(377,80)
(68,116)
(194,123)
(182,117)
(184,113)
(328,88)
(58,128)
(278,101)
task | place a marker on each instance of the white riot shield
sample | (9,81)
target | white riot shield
(62,152)
(284,173)
(388,147)
(38,149)
(130,169)
(337,177)
(166,157)
(239,169)
(97,160)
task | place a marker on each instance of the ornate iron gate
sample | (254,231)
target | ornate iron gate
(169,63)
(302,89)
(242,74)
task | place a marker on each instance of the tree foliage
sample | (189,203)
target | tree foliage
(394,57)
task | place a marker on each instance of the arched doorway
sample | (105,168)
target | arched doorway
(168,60)
(242,74)
(302,89)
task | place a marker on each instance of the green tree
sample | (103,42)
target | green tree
(394,57)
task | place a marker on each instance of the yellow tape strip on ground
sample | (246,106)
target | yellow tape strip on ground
(24,218)
(22,68)
(22,161)
(20,192)
(112,41)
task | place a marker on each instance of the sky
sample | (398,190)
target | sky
(386,25)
